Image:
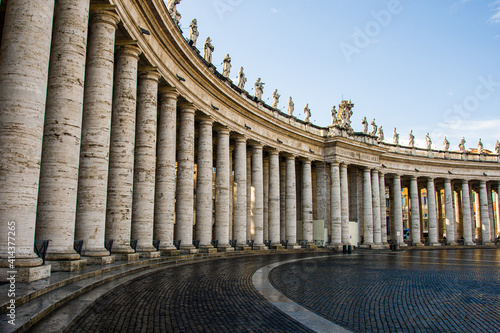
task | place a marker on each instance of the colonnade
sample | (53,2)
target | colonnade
(97,143)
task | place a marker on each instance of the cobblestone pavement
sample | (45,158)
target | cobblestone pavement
(417,291)
(210,296)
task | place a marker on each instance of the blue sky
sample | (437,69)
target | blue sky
(426,66)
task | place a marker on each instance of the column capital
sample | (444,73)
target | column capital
(414,178)
(221,129)
(105,16)
(305,160)
(205,120)
(187,107)
(128,50)
(169,92)
(274,151)
(239,138)
(257,146)
(149,75)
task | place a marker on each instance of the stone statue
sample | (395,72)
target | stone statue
(276,98)
(241,79)
(497,148)
(344,115)
(364,122)
(395,137)
(193,32)
(480,147)
(380,134)
(461,145)
(291,106)
(172,10)
(411,139)
(428,140)
(307,113)
(259,89)
(446,144)
(209,48)
(333,112)
(374,127)
(227,66)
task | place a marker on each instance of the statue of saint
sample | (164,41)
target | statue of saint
(307,113)
(227,66)
(209,48)
(497,148)
(333,112)
(411,139)
(380,134)
(395,137)
(193,32)
(461,145)
(344,115)
(172,10)
(241,79)
(446,144)
(374,127)
(428,140)
(480,147)
(259,89)
(365,125)
(291,106)
(276,98)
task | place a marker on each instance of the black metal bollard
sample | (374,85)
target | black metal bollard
(344,248)
(349,249)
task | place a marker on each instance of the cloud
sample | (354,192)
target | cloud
(457,5)
(495,17)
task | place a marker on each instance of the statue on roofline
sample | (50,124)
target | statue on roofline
(259,89)
(193,32)
(291,106)
(209,48)
(461,145)
(307,113)
(395,137)
(446,144)
(241,79)
(226,69)
(374,127)
(364,122)
(333,113)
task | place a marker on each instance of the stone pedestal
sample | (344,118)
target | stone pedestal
(99,260)
(225,248)
(260,248)
(126,256)
(150,255)
(189,250)
(26,274)
(207,249)
(170,252)
(243,248)
(67,265)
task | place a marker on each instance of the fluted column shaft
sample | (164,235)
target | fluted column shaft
(485,216)
(222,189)
(258,184)
(63,123)
(240,179)
(383,209)
(367,207)
(121,151)
(204,183)
(185,181)
(274,198)
(466,213)
(145,161)
(94,153)
(377,237)
(450,213)
(24,62)
(291,202)
(432,212)
(344,187)
(307,202)
(165,169)
(415,211)
(398,209)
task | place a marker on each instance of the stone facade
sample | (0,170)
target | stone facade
(128,137)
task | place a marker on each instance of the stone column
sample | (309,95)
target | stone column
(458,214)
(266,197)
(377,237)
(415,212)
(490,211)
(449,212)
(498,210)
(307,202)
(222,191)
(240,204)
(477,207)
(291,204)
(336,207)
(258,209)
(94,153)
(466,213)
(204,183)
(432,213)
(249,196)
(398,210)
(274,199)
(165,171)
(185,180)
(61,143)
(282,200)
(367,208)
(485,217)
(344,204)
(24,62)
(121,153)
(145,164)
(383,209)
(322,195)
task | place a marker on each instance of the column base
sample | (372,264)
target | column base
(366,246)
(379,247)
(150,254)
(488,243)
(418,244)
(435,244)
(277,246)
(260,247)
(170,252)
(189,249)
(100,260)
(293,247)
(207,249)
(453,243)
(470,244)
(67,265)
(336,247)
(311,246)
(225,248)
(126,256)
(243,248)
(25,274)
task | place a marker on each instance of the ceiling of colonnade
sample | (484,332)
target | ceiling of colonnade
(424,66)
